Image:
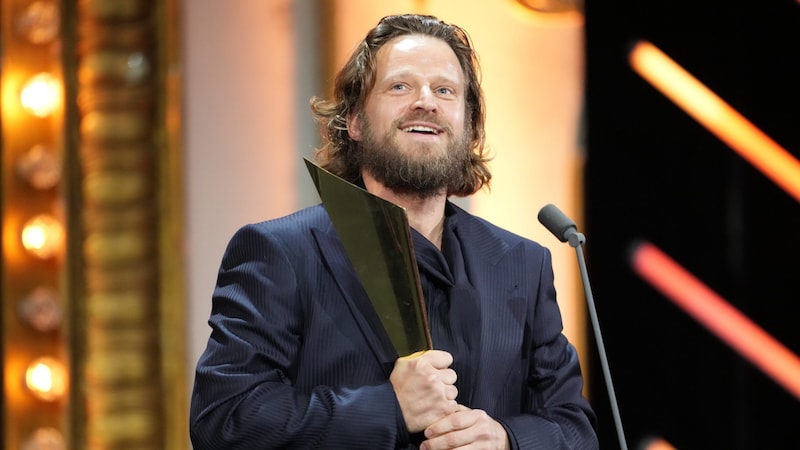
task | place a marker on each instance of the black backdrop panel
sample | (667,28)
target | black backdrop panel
(653,173)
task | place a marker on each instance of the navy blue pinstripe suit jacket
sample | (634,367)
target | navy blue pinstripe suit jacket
(297,358)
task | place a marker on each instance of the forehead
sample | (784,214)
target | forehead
(417,53)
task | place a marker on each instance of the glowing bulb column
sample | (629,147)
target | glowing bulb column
(35,356)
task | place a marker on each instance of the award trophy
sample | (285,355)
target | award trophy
(377,239)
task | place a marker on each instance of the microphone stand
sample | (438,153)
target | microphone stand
(577,240)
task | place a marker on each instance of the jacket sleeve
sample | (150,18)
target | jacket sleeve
(557,416)
(244,396)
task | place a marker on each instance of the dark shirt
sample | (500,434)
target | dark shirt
(451,302)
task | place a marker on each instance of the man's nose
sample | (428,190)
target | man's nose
(425,99)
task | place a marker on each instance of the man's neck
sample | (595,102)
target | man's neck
(426,215)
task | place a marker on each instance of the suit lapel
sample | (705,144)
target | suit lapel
(355,296)
(494,272)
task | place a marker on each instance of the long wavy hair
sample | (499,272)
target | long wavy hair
(354,81)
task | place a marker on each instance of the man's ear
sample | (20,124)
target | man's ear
(354,126)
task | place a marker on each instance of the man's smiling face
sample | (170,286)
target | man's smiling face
(412,128)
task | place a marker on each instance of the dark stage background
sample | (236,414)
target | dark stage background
(653,173)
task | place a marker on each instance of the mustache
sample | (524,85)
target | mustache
(423,116)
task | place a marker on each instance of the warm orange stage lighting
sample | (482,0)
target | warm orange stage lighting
(46,378)
(717,116)
(718,316)
(656,444)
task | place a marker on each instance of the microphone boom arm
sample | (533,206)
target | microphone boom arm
(598,337)
(566,231)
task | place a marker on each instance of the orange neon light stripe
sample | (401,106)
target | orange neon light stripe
(717,116)
(708,308)
(657,444)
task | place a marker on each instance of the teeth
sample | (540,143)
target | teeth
(420,129)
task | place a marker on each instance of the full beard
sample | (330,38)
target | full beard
(424,171)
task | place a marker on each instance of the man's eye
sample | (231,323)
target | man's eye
(445,91)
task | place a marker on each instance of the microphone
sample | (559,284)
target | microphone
(565,230)
(560,225)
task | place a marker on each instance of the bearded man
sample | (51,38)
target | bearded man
(294,360)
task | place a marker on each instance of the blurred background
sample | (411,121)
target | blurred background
(654,173)
(138,135)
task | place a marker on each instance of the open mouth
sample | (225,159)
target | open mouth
(421,129)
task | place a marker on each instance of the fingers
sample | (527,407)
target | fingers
(447,376)
(464,427)
(425,387)
(439,359)
(435,363)
(450,393)
(461,419)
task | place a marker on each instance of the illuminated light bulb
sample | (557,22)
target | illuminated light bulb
(44,438)
(40,167)
(43,236)
(39,22)
(42,309)
(46,378)
(41,94)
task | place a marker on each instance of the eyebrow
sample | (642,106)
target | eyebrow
(401,74)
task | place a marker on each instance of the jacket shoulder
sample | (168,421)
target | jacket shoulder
(303,219)
(490,235)
(291,231)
